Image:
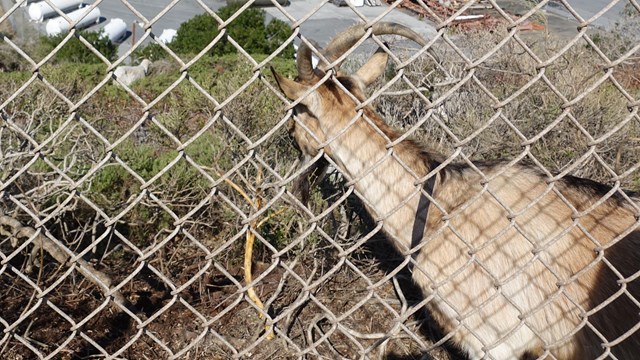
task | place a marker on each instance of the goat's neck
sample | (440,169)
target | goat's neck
(386,180)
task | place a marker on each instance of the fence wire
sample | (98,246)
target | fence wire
(162,217)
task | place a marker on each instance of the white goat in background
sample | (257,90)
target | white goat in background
(514,265)
(128,74)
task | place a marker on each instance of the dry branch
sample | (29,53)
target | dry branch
(14,229)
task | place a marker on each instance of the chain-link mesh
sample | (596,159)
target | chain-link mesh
(161,216)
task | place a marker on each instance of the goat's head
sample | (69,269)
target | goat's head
(145,63)
(324,104)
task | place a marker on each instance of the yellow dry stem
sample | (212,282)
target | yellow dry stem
(248,248)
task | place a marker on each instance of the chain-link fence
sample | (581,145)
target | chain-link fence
(461,195)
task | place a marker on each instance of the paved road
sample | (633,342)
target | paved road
(149,9)
(325,23)
(321,26)
(331,19)
(588,8)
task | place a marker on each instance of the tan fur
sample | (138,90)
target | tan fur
(512,268)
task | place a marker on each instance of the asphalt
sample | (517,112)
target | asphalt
(328,20)
(321,26)
(149,10)
(589,8)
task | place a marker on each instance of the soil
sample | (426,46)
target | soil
(176,310)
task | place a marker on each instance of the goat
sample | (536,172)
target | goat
(514,264)
(128,74)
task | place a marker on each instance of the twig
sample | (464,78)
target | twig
(404,92)
(17,230)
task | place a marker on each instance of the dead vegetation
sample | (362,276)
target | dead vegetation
(509,106)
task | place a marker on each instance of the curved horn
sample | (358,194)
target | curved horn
(346,39)
(303,62)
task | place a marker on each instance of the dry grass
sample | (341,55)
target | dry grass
(536,122)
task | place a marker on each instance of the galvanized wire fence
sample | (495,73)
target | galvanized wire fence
(160,220)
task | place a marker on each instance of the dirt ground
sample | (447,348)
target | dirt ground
(323,308)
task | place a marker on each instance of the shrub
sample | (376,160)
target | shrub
(147,151)
(248,30)
(77,52)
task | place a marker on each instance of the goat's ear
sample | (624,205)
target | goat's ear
(374,68)
(291,89)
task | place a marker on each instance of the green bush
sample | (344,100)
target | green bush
(248,30)
(77,52)
(183,112)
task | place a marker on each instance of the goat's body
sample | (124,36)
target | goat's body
(518,280)
(522,280)
(129,74)
(511,265)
